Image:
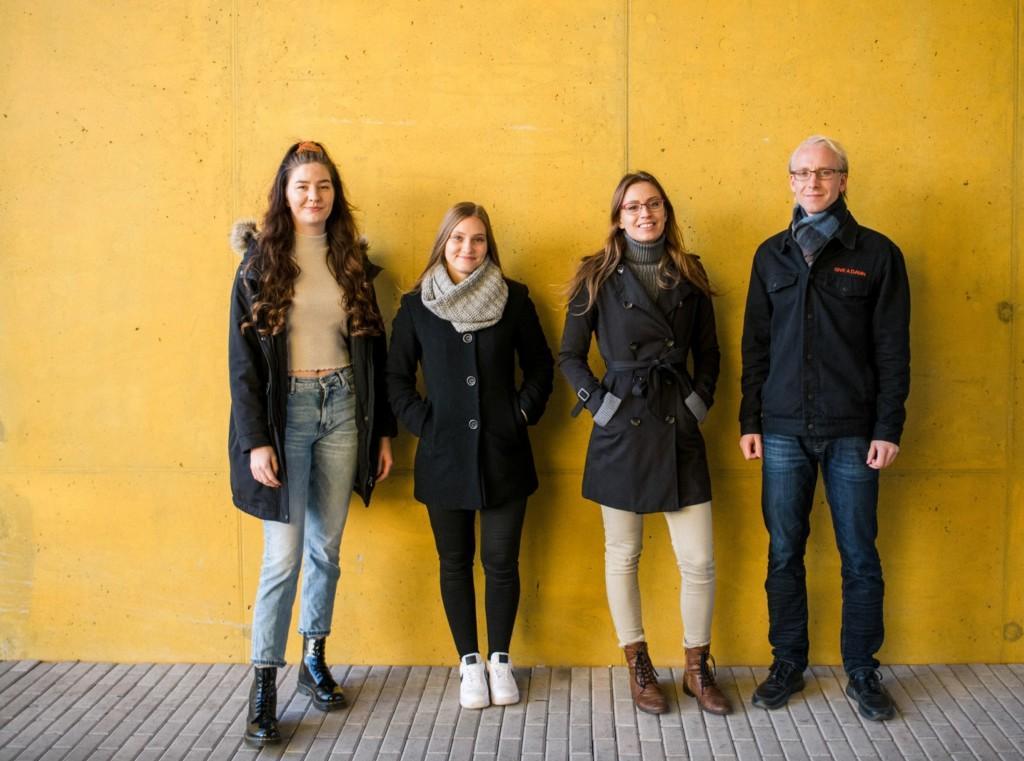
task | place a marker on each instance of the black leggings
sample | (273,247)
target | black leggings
(500,530)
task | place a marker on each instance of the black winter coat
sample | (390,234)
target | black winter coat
(474,451)
(258,368)
(646,450)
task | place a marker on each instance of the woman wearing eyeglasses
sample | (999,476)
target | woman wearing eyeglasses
(649,302)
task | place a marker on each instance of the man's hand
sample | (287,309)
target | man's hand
(750,445)
(881,454)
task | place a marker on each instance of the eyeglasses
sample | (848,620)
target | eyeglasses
(822,174)
(633,207)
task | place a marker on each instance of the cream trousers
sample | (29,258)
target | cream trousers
(690,530)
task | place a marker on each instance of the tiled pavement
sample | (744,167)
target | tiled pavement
(162,712)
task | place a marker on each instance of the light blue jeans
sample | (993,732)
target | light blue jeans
(320,458)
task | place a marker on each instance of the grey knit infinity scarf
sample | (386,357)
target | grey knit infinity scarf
(474,304)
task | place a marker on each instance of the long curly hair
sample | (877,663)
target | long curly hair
(275,264)
(677,265)
(454,215)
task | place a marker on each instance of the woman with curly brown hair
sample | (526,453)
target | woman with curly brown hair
(649,302)
(310,422)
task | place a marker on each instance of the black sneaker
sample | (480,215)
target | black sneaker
(873,701)
(783,680)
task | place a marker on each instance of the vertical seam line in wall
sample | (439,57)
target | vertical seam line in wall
(1016,166)
(625,149)
(233,126)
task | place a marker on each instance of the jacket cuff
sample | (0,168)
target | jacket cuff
(609,404)
(249,442)
(886,434)
(752,425)
(697,406)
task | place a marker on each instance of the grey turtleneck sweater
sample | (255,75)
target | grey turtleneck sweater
(643,259)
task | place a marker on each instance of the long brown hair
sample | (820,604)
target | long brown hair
(460,211)
(678,265)
(276,265)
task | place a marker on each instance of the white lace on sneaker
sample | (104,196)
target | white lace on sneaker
(504,690)
(473,688)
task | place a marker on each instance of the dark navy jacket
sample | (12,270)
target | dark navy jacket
(258,367)
(826,349)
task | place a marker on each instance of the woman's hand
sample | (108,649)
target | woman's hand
(263,464)
(384,459)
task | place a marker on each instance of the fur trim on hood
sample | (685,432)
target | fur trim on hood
(244,232)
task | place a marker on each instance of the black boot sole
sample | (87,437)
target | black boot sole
(322,705)
(760,702)
(259,742)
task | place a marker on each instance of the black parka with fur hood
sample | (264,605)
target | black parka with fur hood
(258,369)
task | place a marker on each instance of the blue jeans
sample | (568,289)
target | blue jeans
(789,474)
(320,457)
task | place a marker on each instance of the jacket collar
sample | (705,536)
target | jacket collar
(629,290)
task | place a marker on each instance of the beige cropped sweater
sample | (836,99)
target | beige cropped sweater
(317,319)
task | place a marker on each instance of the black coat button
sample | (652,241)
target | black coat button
(473,425)
(670,419)
(627,304)
(467,338)
(633,346)
(471,381)
(634,421)
(669,343)
(620,269)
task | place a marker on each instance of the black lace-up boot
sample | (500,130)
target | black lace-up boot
(262,722)
(315,677)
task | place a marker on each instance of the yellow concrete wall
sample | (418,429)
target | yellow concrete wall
(133,134)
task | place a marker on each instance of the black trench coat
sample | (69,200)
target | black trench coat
(474,451)
(649,456)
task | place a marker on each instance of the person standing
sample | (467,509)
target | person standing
(649,302)
(310,422)
(826,374)
(465,324)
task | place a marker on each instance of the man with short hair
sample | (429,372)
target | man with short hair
(826,373)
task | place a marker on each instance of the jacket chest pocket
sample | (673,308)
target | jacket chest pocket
(781,287)
(847,287)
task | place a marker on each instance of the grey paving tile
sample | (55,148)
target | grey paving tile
(16,672)
(18,705)
(36,729)
(652,750)
(192,713)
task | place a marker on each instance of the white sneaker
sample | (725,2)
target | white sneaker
(473,689)
(504,690)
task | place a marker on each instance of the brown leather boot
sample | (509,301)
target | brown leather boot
(643,680)
(699,681)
